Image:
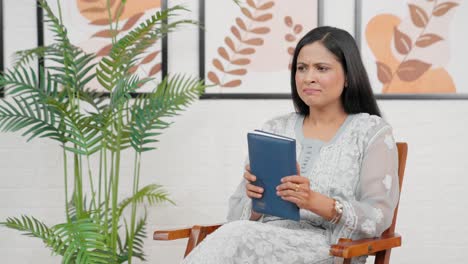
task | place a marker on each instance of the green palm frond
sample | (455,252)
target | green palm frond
(30,113)
(84,242)
(25,57)
(152,194)
(73,65)
(138,241)
(83,133)
(171,96)
(125,52)
(35,228)
(22,80)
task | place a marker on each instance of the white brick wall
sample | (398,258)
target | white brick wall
(200,158)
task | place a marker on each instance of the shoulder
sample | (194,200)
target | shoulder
(281,124)
(368,127)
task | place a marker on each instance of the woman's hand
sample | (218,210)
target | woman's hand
(296,189)
(252,190)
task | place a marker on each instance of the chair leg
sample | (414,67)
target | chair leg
(382,257)
(347,261)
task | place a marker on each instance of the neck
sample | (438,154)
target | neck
(326,116)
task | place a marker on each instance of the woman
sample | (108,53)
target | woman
(347,185)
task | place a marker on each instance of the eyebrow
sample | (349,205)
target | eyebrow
(318,63)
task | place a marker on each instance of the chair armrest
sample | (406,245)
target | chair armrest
(173,234)
(351,249)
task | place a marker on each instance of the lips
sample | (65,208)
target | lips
(311,91)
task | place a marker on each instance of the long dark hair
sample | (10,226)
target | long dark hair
(357,96)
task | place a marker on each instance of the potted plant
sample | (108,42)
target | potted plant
(55,102)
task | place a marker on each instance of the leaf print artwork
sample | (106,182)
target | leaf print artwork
(410,52)
(412,69)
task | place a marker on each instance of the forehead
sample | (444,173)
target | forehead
(315,53)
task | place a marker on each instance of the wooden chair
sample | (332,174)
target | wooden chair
(345,248)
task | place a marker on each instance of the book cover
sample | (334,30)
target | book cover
(272,157)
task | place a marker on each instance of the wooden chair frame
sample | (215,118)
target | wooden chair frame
(345,248)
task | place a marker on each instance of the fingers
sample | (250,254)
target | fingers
(298,168)
(254,191)
(249,177)
(295,178)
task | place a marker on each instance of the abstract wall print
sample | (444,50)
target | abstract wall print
(415,47)
(249,46)
(88,24)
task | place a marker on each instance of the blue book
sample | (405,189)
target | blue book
(272,157)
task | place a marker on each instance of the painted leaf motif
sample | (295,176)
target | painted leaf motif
(93,10)
(218,65)
(427,40)
(106,33)
(237,72)
(230,43)
(411,70)
(156,68)
(297,29)
(291,51)
(443,8)
(384,73)
(241,61)
(247,51)
(132,21)
(241,24)
(213,77)
(266,5)
(231,84)
(100,22)
(104,51)
(260,30)
(402,42)
(223,53)
(236,33)
(133,69)
(290,37)
(263,18)
(254,41)
(251,3)
(247,13)
(418,16)
(288,21)
(150,57)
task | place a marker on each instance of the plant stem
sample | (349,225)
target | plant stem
(78,186)
(65,176)
(136,180)
(115,182)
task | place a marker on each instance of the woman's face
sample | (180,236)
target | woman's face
(320,78)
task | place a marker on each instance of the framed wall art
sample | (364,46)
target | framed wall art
(415,49)
(246,47)
(87,22)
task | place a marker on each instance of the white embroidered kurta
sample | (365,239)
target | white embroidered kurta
(358,167)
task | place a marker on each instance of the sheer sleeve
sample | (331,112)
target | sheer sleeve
(377,192)
(240,205)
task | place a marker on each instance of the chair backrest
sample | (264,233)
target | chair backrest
(384,256)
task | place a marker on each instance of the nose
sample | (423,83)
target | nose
(310,76)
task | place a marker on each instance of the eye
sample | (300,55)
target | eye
(301,68)
(322,68)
